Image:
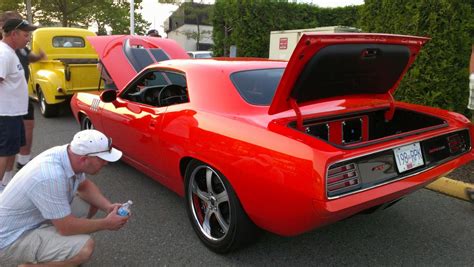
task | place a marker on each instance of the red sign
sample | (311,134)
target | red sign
(283,43)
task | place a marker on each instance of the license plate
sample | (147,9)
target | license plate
(408,157)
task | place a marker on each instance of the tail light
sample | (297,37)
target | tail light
(456,143)
(342,177)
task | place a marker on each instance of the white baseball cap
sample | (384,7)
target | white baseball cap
(94,143)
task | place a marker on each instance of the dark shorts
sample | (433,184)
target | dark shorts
(31,111)
(12,135)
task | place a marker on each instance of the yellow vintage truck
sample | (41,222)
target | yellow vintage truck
(71,66)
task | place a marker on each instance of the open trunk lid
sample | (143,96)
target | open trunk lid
(125,55)
(336,65)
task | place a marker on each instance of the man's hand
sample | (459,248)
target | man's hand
(112,207)
(114,221)
(37,57)
(42,54)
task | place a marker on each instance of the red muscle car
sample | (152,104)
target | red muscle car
(281,146)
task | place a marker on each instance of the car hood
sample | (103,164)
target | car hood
(125,55)
(337,65)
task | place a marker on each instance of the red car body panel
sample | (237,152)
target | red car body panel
(278,172)
(110,51)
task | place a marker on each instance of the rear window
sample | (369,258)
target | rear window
(68,41)
(140,57)
(203,55)
(257,87)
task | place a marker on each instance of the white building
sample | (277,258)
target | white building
(182,26)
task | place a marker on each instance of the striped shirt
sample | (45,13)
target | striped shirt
(40,191)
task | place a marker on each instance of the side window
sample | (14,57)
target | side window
(154,78)
(158,88)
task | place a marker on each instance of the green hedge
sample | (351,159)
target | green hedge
(439,76)
(248,23)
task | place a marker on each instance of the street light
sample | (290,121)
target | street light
(132,15)
(29,16)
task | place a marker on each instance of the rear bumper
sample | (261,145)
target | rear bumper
(67,94)
(323,212)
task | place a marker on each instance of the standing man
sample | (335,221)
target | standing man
(105,76)
(469,191)
(25,56)
(13,91)
(39,219)
(471,84)
(153,33)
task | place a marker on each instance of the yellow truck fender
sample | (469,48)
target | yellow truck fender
(48,81)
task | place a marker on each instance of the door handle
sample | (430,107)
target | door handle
(153,123)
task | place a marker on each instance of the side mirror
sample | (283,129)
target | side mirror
(108,96)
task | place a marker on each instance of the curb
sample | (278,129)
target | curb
(451,187)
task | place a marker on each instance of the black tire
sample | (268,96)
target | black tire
(216,213)
(47,110)
(86,123)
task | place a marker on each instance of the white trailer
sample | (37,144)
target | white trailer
(282,43)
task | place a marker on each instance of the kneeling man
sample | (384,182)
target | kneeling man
(40,215)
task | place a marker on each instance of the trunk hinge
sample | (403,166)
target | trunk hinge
(299,117)
(391,109)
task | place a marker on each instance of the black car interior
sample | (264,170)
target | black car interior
(158,89)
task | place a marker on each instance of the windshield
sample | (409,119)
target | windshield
(257,87)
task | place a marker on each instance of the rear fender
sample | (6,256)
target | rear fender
(49,82)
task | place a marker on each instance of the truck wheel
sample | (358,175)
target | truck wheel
(47,110)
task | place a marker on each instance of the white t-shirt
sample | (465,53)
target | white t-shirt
(13,88)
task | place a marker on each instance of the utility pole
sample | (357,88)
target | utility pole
(29,15)
(132,17)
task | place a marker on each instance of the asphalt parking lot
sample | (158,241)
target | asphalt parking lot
(425,228)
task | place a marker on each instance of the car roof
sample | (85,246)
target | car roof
(209,82)
(227,65)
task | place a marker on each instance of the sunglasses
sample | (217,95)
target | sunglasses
(109,149)
(23,22)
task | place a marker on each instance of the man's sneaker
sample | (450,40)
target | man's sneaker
(19,165)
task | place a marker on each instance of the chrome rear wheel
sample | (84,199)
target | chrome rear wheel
(214,209)
(210,203)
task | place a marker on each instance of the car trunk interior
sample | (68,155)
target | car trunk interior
(361,129)
(355,130)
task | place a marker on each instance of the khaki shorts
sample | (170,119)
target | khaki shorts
(45,244)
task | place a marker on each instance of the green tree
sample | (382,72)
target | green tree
(81,13)
(223,25)
(196,14)
(6,5)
